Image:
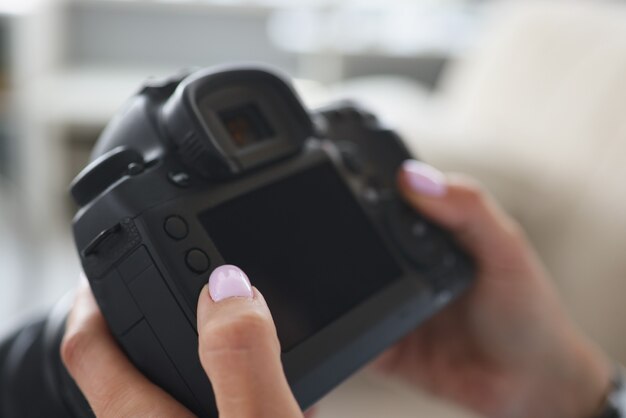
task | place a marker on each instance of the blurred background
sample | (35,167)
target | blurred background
(527,96)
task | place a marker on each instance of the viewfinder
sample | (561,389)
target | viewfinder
(246,125)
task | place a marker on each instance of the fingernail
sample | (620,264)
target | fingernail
(228,282)
(424,179)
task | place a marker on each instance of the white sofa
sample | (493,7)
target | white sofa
(538,112)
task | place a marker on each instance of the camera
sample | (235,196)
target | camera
(226,166)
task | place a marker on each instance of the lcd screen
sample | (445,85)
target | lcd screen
(307,246)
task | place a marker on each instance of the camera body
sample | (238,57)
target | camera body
(226,166)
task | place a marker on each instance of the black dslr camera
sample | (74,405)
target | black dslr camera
(227,166)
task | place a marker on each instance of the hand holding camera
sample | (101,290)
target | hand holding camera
(484,352)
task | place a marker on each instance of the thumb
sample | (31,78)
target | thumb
(461,206)
(239,349)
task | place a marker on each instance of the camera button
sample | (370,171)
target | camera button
(197,261)
(419,229)
(179,178)
(176,227)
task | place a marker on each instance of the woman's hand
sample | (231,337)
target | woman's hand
(506,349)
(238,349)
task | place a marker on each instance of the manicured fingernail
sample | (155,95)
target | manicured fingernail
(228,282)
(424,179)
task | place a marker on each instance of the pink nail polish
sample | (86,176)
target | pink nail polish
(229,281)
(424,179)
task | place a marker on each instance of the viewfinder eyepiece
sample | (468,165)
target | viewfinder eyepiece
(224,123)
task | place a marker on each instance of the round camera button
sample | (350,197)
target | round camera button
(134,169)
(176,227)
(179,178)
(197,261)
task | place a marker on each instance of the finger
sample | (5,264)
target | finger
(239,349)
(111,384)
(461,206)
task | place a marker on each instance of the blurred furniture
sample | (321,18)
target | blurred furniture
(538,113)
